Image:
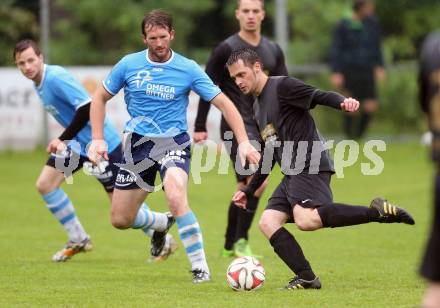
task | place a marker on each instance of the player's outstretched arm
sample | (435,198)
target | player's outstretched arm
(235,121)
(98,147)
(334,100)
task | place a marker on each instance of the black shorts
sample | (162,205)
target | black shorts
(145,156)
(252,133)
(360,84)
(308,190)
(430,268)
(105,172)
(435,145)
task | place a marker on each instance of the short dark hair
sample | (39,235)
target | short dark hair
(25,44)
(158,18)
(239,2)
(247,55)
(359,4)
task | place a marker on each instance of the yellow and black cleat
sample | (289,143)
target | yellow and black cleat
(389,213)
(297,283)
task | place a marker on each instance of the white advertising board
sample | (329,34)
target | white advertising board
(21,113)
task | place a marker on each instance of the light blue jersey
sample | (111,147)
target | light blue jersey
(62,95)
(156,94)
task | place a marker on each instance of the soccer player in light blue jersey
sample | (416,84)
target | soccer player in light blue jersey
(157,82)
(68,102)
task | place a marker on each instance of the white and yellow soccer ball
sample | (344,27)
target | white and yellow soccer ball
(245,274)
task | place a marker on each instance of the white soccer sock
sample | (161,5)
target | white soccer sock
(191,236)
(147,219)
(148,232)
(59,204)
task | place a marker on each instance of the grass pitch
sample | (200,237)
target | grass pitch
(371,265)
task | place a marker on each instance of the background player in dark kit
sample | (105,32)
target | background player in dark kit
(357,63)
(430,102)
(250,14)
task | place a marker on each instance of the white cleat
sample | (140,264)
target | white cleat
(72,248)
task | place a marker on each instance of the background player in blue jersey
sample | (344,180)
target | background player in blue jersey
(68,102)
(156,83)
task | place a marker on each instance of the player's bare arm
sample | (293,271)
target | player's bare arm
(98,147)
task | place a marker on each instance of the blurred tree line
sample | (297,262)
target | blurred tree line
(98,32)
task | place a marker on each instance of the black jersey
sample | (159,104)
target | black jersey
(429,70)
(356,45)
(273,64)
(430,87)
(430,101)
(282,113)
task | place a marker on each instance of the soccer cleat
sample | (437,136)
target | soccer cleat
(243,249)
(297,283)
(72,248)
(389,213)
(225,253)
(169,247)
(159,237)
(200,276)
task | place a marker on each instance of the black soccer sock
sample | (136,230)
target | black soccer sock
(231,228)
(348,126)
(245,218)
(288,249)
(430,267)
(339,215)
(363,124)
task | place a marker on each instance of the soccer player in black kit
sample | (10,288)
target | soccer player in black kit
(357,63)
(430,102)
(281,110)
(250,14)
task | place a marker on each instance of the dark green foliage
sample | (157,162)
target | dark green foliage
(15,24)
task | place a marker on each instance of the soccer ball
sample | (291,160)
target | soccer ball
(245,274)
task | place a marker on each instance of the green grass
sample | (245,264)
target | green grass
(362,266)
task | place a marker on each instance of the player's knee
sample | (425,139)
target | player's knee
(175,193)
(304,225)
(267,225)
(120,221)
(175,198)
(308,220)
(44,186)
(263,224)
(175,181)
